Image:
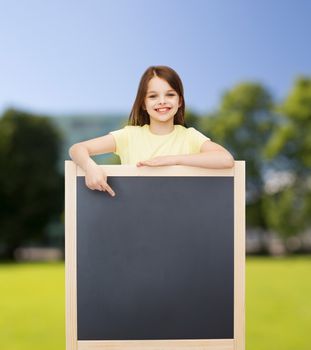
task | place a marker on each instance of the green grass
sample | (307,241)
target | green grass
(32,306)
(278,305)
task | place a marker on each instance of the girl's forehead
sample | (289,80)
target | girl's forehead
(157,83)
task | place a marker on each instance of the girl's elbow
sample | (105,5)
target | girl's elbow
(229,161)
(72,149)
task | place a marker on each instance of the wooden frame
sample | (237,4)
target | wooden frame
(238,342)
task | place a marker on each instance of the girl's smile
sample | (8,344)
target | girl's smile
(163,110)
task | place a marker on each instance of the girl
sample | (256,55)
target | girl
(156,134)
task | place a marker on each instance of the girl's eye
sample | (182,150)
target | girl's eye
(152,96)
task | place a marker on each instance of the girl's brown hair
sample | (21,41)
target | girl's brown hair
(139,115)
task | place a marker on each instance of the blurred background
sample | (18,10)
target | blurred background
(69,71)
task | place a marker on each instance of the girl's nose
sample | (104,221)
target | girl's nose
(162,99)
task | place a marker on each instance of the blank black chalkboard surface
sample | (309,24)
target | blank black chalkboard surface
(159,266)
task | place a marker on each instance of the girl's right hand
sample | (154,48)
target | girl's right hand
(96,179)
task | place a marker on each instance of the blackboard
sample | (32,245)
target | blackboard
(157,261)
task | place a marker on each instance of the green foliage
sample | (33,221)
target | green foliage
(280,138)
(269,138)
(243,124)
(191,119)
(30,186)
(292,140)
(297,106)
(290,149)
(287,211)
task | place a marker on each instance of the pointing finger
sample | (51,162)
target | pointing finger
(110,190)
(107,188)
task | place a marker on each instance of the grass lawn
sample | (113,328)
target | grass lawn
(278,305)
(32,306)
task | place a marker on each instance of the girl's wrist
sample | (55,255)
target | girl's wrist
(90,163)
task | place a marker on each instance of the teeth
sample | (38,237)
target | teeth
(162,109)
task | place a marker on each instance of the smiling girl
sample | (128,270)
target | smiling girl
(156,134)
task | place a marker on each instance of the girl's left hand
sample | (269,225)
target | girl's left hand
(158,161)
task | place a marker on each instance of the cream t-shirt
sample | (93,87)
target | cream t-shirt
(137,143)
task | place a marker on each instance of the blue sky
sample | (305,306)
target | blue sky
(63,57)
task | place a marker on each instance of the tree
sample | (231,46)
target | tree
(288,208)
(191,119)
(243,124)
(30,185)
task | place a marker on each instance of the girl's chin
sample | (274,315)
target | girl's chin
(162,118)
(158,115)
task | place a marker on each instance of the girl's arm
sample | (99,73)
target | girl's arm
(211,155)
(95,176)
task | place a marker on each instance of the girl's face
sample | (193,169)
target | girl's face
(161,101)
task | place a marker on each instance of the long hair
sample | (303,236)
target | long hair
(139,115)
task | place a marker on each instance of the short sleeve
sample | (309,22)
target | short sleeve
(121,139)
(196,140)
